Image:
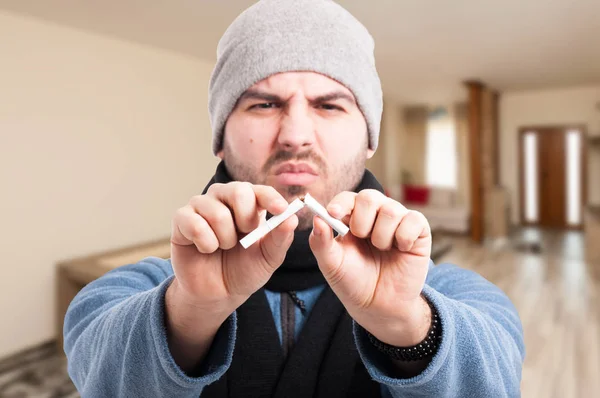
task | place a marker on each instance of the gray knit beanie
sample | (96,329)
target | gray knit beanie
(275,36)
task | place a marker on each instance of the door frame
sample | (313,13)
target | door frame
(583,175)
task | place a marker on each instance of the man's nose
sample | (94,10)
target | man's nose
(297,128)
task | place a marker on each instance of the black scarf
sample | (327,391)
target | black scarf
(324,361)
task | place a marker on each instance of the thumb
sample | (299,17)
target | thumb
(327,250)
(275,245)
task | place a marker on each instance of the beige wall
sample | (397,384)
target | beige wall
(415,138)
(101,141)
(386,164)
(559,106)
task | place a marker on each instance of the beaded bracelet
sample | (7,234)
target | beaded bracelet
(425,349)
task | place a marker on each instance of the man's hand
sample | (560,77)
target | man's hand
(214,274)
(379,269)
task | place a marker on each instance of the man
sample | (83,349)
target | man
(295,104)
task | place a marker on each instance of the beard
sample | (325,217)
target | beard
(332,180)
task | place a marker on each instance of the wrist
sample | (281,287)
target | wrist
(190,327)
(185,313)
(419,353)
(408,327)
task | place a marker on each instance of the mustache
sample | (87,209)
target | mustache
(286,156)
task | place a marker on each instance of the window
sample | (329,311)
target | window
(441,166)
(531,179)
(573,183)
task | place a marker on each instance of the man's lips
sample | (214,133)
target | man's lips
(295,174)
(295,168)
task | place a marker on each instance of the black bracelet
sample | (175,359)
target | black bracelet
(424,350)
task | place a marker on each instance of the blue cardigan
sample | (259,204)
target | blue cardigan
(116,343)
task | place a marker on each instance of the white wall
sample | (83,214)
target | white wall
(547,107)
(100,142)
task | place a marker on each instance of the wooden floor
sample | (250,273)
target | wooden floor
(557,294)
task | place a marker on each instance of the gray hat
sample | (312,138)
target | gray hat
(275,36)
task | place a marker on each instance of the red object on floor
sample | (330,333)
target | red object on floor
(416,194)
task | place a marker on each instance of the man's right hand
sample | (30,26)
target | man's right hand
(214,274)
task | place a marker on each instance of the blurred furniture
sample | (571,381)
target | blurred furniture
(74,274)
(440,207)
(591,222)
(591,216)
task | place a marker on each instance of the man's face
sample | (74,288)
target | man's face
(299,132)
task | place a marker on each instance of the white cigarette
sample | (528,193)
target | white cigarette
(316,207)
(271,224)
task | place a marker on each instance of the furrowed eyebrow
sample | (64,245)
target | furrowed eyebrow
(334,96)
(264,96)
(259,95)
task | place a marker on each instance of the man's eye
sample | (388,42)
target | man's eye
(330,107)
(265,105)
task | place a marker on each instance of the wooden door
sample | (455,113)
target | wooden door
(552,178)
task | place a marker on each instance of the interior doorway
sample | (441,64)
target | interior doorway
(552,176)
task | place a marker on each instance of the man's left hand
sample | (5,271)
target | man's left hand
(378,269)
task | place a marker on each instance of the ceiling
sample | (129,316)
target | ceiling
(424,48)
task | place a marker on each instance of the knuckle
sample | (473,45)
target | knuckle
(272,193)
(391,210)
(402,240)
(359,230)
(197,232)
(369,197)
(180,214)
(341,198)
(379,243)
(196,201)
(242,191)
(416,214)
(207,247)
(228,244)
(215,187)
(220,216)
(419,217)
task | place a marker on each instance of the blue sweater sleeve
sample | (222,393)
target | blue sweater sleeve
(115,337)
(482,349)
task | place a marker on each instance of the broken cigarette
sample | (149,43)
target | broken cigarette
(271,224)
(292,209)
(320,211)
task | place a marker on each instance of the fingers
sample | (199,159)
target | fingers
(213,220)
(342,205)
(219,218)
(388,219)
(240,198)
(384,221)
(246,200)
(362,208)
(189,227)
(412,227)
(368,203)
